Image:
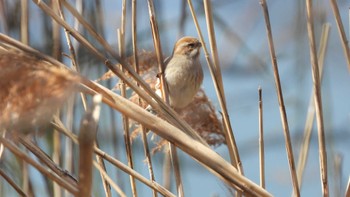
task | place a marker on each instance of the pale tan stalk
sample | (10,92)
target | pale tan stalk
(154,185)
(24,22)
(72,56)
(12,183)
(198,151)
(125,119)
(109,179)
(161,68)
(304,149)
(99,26)
(217,79)
(342,34)
(261,141)
(48,173)
(25,177)
(25,40)
(136,66)
(56,152)
(166,170)
(56,35)
(44,159)
(70,104)
(87,138)
(318,100)
(282,108)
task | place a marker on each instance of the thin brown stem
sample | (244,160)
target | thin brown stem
(217,79)
(125,119)
(203,154)
(261,141)
(136,66)
(44,159)
(16,151)
(342,33)
(109,179)
(105,183)
(304,149)
(12,183)
(282,108)
(154,185)
(161,68)
(317,99)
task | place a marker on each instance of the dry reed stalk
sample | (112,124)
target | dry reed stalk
(152,184)
(25,40)
(304,149)
(109,180)
(105,183)
(166,171)
(137,70)
(70,104)
(25,177)
(282,108)
(106,186)
(261,141)
(204,155)
(48,173)
(46,160)
(164,89)
(81,20)
(125,119)
(56,35)
(217,79)
(317,100)
(341,30)
(72,56)
(56,159)
(87,138)
(145,92)
(216,74)
(24,22)
(12,183)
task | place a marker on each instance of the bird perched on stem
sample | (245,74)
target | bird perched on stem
(183,72)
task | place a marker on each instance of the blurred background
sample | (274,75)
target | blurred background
(246,65)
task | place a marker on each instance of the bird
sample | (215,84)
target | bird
(183,72)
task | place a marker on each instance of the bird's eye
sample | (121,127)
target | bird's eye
(191,45)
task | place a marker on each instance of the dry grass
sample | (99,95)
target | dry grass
(35,88)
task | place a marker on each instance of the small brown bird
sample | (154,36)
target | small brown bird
(183,72)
